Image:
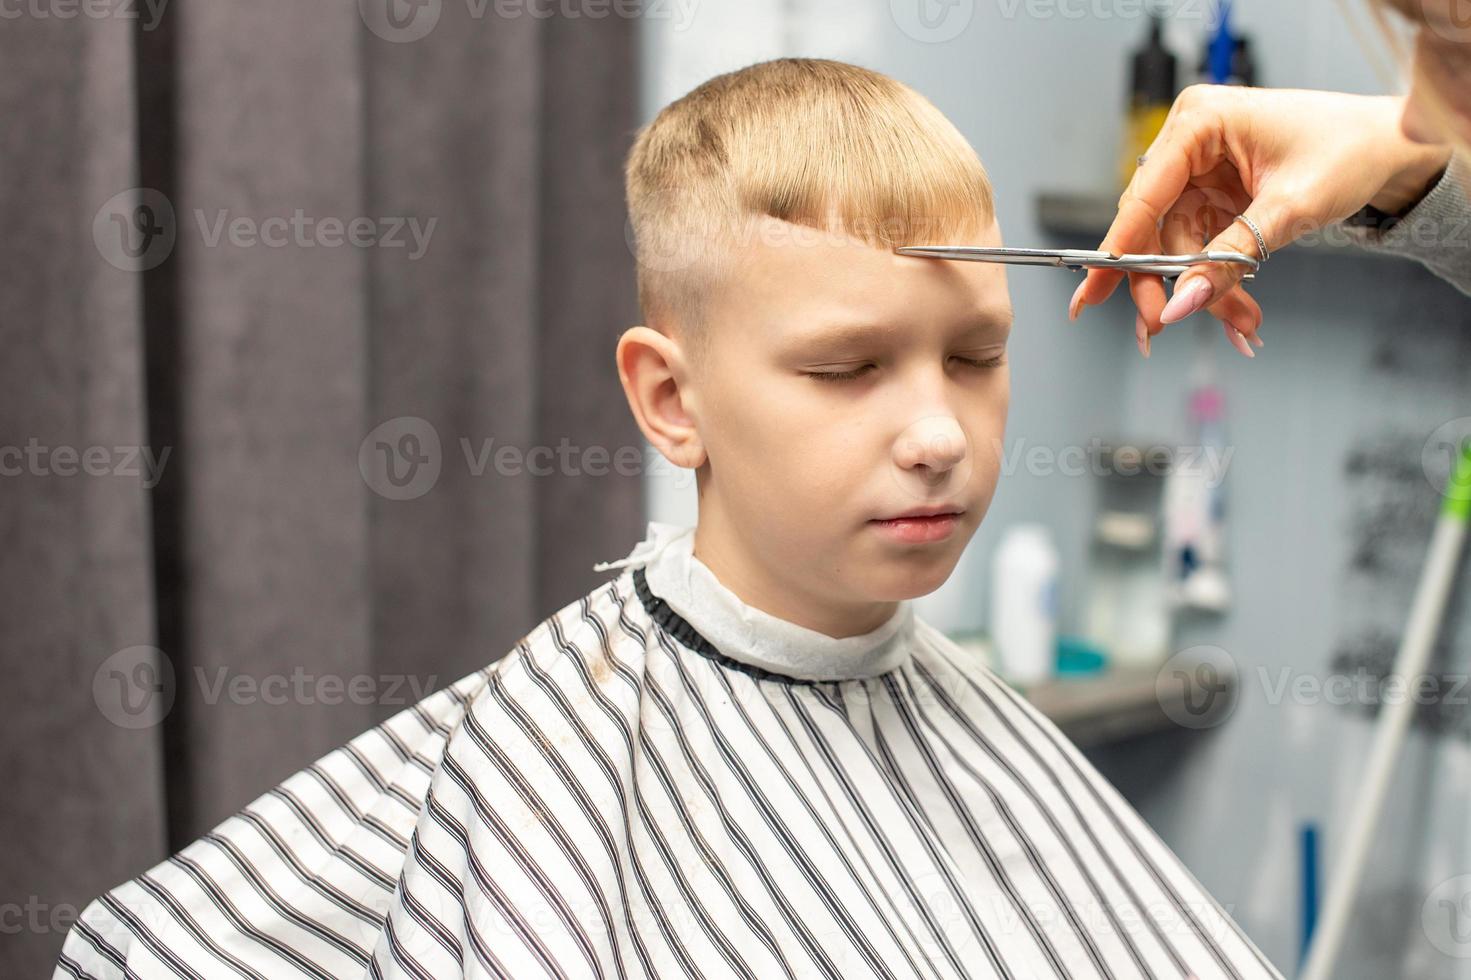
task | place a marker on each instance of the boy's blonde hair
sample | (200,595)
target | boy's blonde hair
(814,142)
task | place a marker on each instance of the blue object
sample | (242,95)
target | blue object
(1076,657)
(1309,888)
(1222,46)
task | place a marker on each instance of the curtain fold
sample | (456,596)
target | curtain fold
(319,264)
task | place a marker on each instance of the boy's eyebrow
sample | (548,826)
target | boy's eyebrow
(835,337)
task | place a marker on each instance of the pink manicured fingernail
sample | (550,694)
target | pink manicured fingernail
(1186,301)
(1141,334)
(1074,304)
(1256,338)
(1238,340)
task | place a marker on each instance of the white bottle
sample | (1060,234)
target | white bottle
(1024,603)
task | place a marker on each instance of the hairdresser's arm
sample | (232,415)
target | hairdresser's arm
(1433,229)
(1292,160)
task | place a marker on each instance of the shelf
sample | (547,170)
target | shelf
(1121,703)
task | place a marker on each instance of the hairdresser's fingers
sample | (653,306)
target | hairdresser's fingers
(1099,284)
(1188,223)
(1149,298)
(1135,226)
(1241,317)
(1191,222)
(1190,145)
(1202,286)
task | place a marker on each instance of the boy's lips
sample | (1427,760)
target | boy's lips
(920,525)
(934,510)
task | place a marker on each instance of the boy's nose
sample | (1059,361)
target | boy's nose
(936,442)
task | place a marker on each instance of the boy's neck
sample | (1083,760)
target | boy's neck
(743,574)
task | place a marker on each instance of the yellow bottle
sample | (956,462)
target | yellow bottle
(1152,90)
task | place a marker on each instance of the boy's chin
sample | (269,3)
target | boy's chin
(909,579)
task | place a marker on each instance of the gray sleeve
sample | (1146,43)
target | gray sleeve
(1436,232)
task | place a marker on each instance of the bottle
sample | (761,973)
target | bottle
(1024,604)
(1195,510)
(1152,90)
(1219,47)
(1226,58)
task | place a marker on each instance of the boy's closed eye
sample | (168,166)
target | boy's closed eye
(978,360)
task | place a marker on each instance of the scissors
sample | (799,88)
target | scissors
(1168,266)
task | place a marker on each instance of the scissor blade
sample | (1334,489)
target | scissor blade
(1069,257)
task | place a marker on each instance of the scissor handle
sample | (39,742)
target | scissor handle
(1161,265)
(1168,270)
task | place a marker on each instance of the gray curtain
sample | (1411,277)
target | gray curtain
(304,561)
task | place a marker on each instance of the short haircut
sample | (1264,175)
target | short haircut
(810,141)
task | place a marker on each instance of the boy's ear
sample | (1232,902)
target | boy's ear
(656,380)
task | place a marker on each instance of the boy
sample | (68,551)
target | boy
(744,755)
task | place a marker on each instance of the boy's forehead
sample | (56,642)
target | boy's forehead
(789,270)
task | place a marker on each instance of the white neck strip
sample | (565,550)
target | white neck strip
(744,633)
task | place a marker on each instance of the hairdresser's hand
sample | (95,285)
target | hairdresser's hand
(1291,160)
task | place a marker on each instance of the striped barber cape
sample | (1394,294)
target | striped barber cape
(620,797)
